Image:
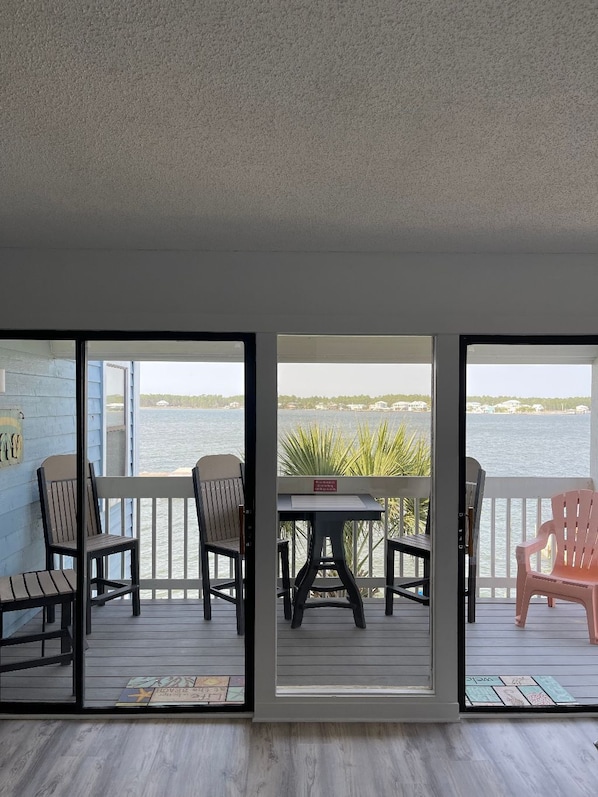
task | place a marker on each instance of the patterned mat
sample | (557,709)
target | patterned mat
(525,691)
(183,690)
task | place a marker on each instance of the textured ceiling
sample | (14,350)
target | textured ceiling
(374,125)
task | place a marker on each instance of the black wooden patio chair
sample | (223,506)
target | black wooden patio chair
(418,546)
(43,590)
(219,499)
(57,480)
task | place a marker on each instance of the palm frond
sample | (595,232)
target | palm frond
(323,451)
(315,451)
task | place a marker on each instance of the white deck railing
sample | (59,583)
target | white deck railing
(165,521)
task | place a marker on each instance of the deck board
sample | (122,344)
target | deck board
(172,638)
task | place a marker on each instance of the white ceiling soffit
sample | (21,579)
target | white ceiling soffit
(331,349)
(354,349)
(540,354)
(291,348)
(156,350)
(256,125)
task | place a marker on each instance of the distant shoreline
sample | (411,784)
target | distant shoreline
(376,412)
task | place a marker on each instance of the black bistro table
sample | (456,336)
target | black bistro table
(327,514)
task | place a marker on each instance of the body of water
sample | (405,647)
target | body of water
(505,444)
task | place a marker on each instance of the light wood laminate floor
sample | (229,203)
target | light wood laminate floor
(235,758)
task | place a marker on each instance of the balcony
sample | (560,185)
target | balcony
(171,636)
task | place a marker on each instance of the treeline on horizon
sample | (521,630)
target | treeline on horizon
(206,401)
(217,401)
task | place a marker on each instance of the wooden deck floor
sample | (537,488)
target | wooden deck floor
(172,638)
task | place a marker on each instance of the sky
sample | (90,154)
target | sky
(318,379)
(543,381)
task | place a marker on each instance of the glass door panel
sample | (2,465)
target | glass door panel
(354,423)
(161,407)
(530,423)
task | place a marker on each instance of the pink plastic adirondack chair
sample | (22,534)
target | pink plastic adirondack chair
(574,576)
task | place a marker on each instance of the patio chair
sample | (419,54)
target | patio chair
(39,590)
(574,573)
(219,499)
(475,480)
(57,480)
(418,546)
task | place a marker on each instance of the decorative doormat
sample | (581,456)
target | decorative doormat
(525,691)
(183,690)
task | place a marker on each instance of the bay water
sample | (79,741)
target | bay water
(172,440)
(505,444)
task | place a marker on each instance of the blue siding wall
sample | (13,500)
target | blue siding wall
(43,388)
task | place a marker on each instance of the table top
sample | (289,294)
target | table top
(331,505)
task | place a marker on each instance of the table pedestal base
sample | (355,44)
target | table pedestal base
(316,561)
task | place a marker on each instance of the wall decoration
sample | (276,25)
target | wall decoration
(11,437)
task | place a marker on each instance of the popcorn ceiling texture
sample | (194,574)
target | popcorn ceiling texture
(324,125)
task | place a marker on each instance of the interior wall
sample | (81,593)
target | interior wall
(300,292)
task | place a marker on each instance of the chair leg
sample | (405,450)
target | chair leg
(390,578)
(101,574)
(205,585)
(135,580)
(591,606)
(426,584)
(88,607)
(239,596)
(523,606)
(44,614)
(520,589)
(66,645)
(283,549)
(471,590)
(51,612)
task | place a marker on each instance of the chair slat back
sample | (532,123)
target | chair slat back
(575,516)
(58,496)
(475,477)
(218,490)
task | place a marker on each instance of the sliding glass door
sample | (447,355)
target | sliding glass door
(355,434)
(530,420)
(149,409)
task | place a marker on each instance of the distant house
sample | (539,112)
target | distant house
(379,405)
(162,403)
(582,409)
(512,405)
(417,406)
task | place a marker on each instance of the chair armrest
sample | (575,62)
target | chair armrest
(525,550)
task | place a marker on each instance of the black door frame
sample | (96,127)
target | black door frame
(80,338)
(464,342)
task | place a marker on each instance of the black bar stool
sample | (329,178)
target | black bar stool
(39,589)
